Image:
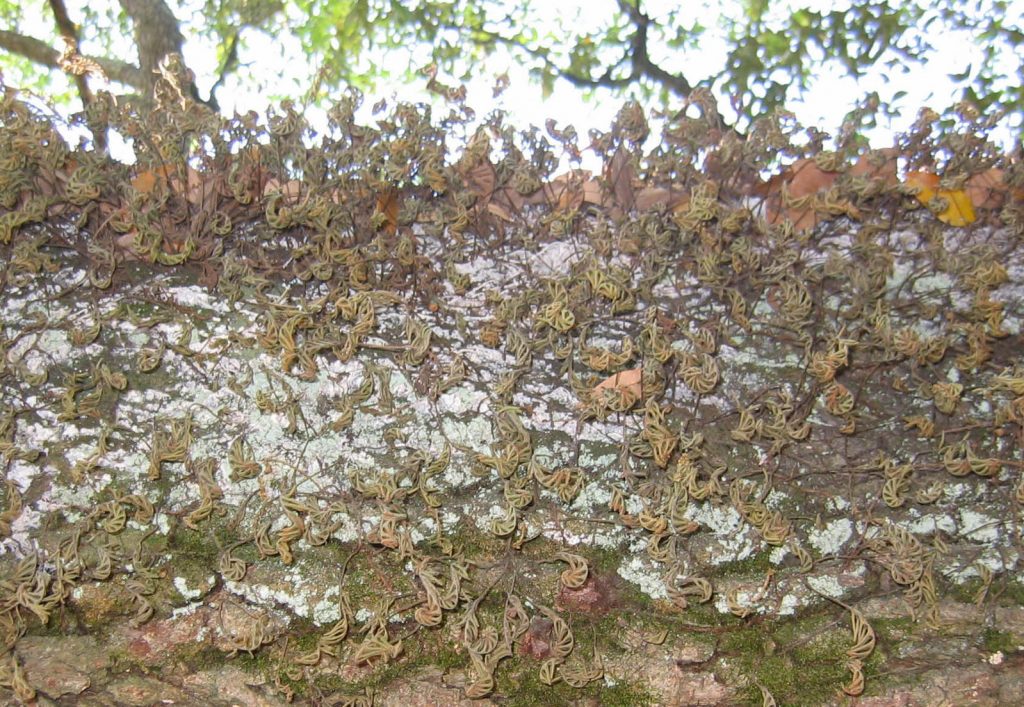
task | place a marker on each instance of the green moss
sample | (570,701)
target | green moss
(303,635)
(190,547)
(800,661)
(1002,592)
(964,592)
(993,640)
(259,661)
(757,564)
(1012,593)
(892,630)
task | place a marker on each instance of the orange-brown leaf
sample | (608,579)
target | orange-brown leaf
(987,190)
(802,179)
(500,211)
(564,193)
(925,182)
(387,204)
(808,178)
(877,164)
(630,380)
(147,180)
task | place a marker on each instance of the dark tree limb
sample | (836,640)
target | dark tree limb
(230,65)
(157,34)
(41,53)
(69,32)
(641,58)
(636,56)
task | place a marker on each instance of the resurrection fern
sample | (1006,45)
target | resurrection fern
(671,363)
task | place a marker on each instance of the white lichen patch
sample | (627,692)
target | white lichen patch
(827,585)
(830,539)
(932,523)
(837,504)
(328,609)
(301,589)
(558,532)
(979,527)
(555,259)
(731,536)
(493,513)
(645,575)
(745,598)
(181,584)
(592,495)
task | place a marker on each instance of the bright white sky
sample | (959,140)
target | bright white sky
(829,99)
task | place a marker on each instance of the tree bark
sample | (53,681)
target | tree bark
(157,34)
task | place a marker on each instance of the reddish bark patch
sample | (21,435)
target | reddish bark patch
(537,639)
(139,648)
(597,595)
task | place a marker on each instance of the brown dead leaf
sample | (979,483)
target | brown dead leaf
(593,193)
(808,178)
(125,243)
(619,175)
(987,190)
(387,204)
(630,381)
(803,219)
(481,181)
(145,182)
(651,197)
(505,203)
(564,193)
(792,197)
(659,197)
(201,187)
(877,164)
(290,190)
(770,187)
(209,275)
(500,211)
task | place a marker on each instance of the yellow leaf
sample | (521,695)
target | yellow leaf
(958,212)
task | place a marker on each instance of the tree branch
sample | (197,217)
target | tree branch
(229,65)
(642,64)
(30,48)
(69,32)
(636,56)
(41,53)
(158,34)
(493,37)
